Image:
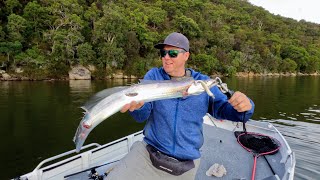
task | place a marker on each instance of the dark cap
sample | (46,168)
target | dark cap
(175,39)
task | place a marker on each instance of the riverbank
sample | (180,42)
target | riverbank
(251,74)
(18,76)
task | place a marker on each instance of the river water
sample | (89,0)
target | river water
(39,119)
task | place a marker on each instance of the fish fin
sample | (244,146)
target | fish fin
(144,81)
(95,99)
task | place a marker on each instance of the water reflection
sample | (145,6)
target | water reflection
(77,86)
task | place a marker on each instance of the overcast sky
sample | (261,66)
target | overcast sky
(308,10)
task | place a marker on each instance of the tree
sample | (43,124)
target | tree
(121,35)
(37,17)
(298,54)
(288,65)
(156,17)
(111,57)
(31,57)
(2,34)
(204,63)
(65,33)
(11,4)
(92,14)
(85,54)
(186,26)
(313,64)
(16,26)
(10,49)
(112,27)
(64,45)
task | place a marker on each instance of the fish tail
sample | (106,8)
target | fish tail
(80,136)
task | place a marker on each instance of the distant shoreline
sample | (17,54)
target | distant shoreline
(18,77)
(250,74)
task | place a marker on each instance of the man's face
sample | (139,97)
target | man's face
(174,66)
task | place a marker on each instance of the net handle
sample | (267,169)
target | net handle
(254,166)
(256,155)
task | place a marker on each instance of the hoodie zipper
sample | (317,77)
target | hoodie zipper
(175,127)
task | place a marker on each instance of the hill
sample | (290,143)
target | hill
(47,37)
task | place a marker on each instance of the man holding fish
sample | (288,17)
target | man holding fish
(173,130)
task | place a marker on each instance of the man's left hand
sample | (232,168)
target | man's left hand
(240,102)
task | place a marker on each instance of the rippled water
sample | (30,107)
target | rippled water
(304,139)
(292,104)
(39,119)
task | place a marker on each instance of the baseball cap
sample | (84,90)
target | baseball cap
(175,39)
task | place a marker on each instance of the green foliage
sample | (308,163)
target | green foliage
(37,17)
(288,65)
(64,45)
(111,56)
(227,36)
(11,5)
(204,63)
(86,54)
(16,26)
(298,54)
(57,69)
(313,64)
(186,26)
(32,57)
(2,34)
(10,49)
(36,73)
(138,68)
(230,70)
(111,27)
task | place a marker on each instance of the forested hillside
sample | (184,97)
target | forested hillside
(47,37)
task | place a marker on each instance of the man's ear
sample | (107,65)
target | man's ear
(186,54)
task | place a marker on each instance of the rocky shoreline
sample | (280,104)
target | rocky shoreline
(251,74)
(82,73)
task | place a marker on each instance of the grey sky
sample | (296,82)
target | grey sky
(296,9)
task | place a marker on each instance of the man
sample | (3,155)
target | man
(174,127)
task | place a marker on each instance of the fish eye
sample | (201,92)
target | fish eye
(131,94)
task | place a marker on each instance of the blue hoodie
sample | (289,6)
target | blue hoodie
(174,126)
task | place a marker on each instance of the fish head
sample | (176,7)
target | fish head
(199,86)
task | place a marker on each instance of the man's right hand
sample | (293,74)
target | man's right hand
(132,106)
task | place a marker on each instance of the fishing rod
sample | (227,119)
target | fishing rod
(94,174)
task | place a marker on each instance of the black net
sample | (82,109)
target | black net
(259,143)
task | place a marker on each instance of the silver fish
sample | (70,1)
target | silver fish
(109,101)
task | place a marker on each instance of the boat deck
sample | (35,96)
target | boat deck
(221,147)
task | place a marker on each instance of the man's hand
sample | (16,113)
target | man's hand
(132,106)
(240,102)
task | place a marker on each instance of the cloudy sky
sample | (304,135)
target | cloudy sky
(308,10)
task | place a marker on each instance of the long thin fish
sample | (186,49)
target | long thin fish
(109,101)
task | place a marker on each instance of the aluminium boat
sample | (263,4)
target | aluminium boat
(220,146)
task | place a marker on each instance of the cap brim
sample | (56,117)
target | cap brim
(159,46)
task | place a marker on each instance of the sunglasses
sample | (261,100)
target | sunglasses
(172,53)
